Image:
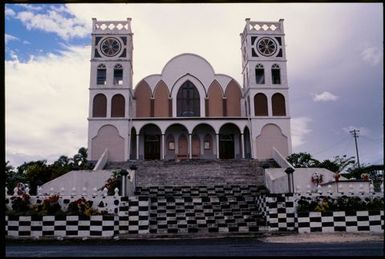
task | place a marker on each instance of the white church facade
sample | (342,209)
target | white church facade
(188,111)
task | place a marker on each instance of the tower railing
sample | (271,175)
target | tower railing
(111,26)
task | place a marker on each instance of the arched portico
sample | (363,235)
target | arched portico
(230,146)
(203,144)
(177,142)
(150,137)
(247,142)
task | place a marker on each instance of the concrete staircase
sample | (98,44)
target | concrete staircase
(195,197)
(197,172)
(191,210)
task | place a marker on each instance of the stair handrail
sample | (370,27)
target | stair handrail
(102,161)
(281,161)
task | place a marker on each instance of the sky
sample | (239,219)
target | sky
(334,59)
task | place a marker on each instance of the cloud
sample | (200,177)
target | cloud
(55,21)
(362,130)
(47,107)
(31,7)
(325,97)
(9,12)
(372,55)
(9,37)
(299,130)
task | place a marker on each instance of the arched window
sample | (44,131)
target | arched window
(188,101)
(101,75)
(275,74)
(278,103)
(117,106)
(118,74)
(260,105)
(99,106)
(259,74)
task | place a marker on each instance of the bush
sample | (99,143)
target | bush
(82,207)
(21,204)
(50,206)
(343,203)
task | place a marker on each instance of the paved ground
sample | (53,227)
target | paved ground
(340,244)
(323,237)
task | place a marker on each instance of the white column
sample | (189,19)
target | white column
(217,142)
(162,148)
(243,145)
(190,145)
(128,147)
(137,146)
(108,115)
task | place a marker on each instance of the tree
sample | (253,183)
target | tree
(12,177)
(80,161)
(61,166)
(338,164)
(35,173)
(302,160)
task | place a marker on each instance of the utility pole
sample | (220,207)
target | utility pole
(355,136)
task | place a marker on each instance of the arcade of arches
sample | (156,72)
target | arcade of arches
(178,143)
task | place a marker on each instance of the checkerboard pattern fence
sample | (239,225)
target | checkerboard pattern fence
(61,226)
(197,209)
(353,221)
(280,212)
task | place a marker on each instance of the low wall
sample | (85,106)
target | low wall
(279,212)
(61,226)
(352,221)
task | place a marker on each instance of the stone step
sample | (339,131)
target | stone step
(177,210)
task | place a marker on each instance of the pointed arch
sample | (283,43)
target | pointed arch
(259,74)
(143,99)
(118,106)
(275,74)
(99,106)
(233,99)
(161,100)
(260,105)
(118,74)
(215,99)
(101,75)
(188,100)
(278,104)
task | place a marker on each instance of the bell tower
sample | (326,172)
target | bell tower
(110,89)
(266,87)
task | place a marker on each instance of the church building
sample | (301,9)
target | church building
(189,110)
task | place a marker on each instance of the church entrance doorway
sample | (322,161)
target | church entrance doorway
(226,146)
(151,147)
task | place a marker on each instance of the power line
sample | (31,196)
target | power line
(355,136)
(342,141)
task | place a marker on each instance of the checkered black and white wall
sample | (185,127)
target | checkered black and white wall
(61,226)
(354,221)
(280,212)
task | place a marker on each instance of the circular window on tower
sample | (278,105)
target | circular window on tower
(266,46)
(110,47)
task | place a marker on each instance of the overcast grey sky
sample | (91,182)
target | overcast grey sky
(334,53)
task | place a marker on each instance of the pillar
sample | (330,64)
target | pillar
(190,145)
(243,145)
(137,146)
(162,148)
(217,142)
